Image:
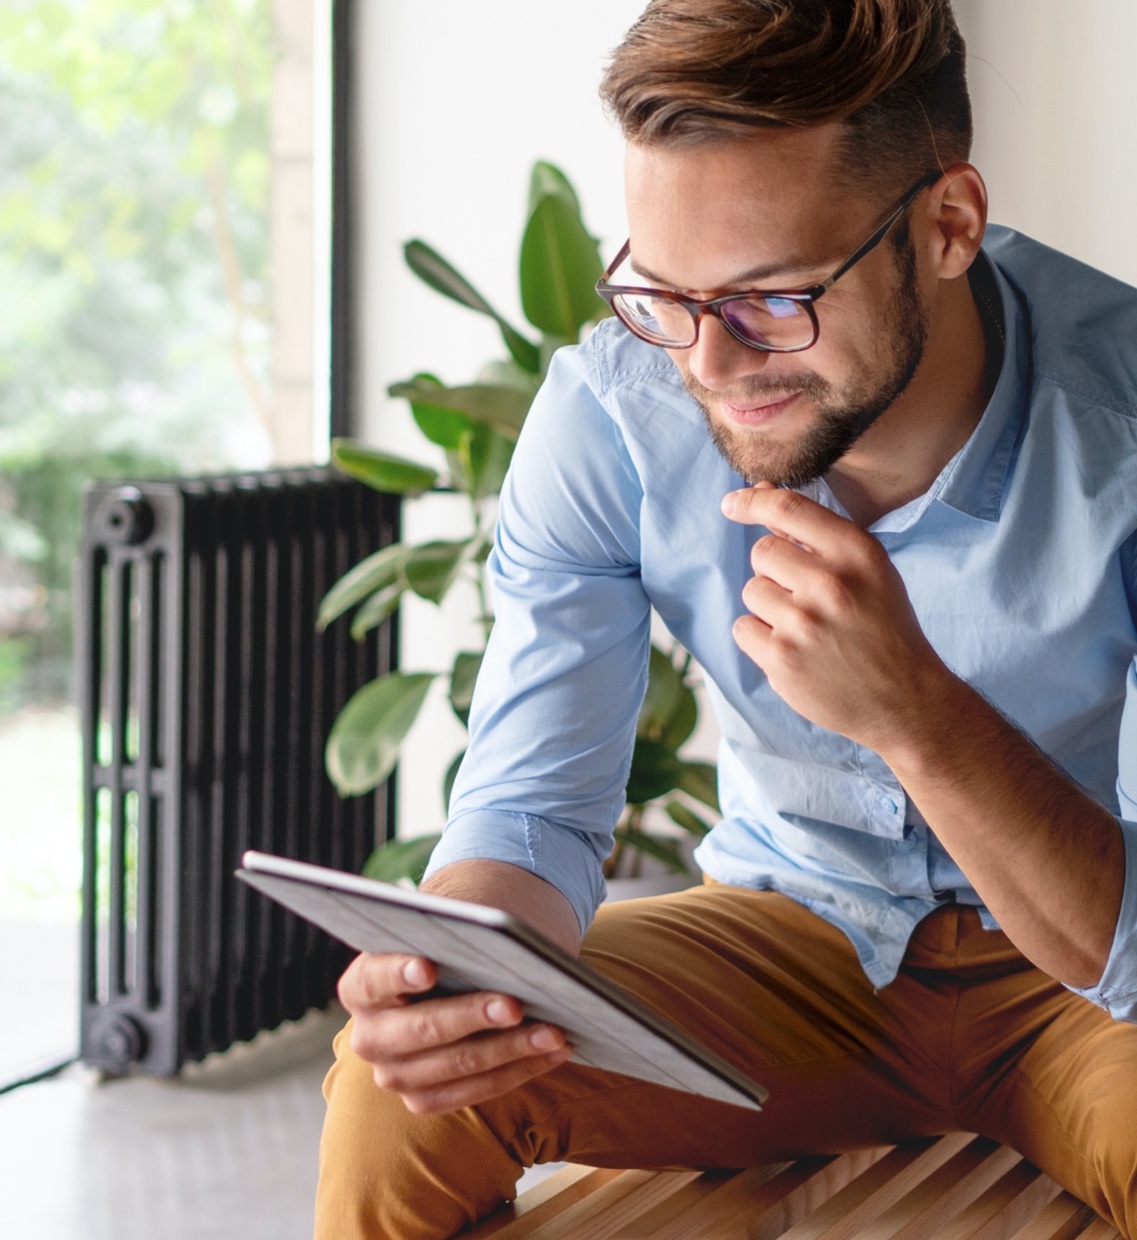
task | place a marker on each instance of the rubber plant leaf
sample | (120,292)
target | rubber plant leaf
(449,778)
(700,780)
(548,181)
(467,664)
(430,568)
(499,405)
(655,772)
(445,427)
(662,697)
(375,573)
(393,474)
(486,455)
(560,265)
(401,859)
(364,743)
(687,819)
(658,846)
(376,609)
(435,271)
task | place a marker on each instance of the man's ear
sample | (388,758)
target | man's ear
(957,212)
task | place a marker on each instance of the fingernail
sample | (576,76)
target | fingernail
(544,1039)
(729,503)
(499,1012)
(415,974)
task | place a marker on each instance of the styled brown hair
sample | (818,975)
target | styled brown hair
(890,71)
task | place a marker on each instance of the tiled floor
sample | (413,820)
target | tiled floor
(225,1152)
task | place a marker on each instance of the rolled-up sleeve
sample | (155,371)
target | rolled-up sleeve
(553,719)
(1117,989)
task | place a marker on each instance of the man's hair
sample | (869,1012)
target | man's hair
(891,71)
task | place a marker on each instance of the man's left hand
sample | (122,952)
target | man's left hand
(830,621)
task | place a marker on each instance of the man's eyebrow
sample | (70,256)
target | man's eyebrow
(760,274)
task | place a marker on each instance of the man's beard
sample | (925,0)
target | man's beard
(843,415)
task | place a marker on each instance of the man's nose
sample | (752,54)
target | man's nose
(718,360)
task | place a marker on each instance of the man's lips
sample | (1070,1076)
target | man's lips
(756,412)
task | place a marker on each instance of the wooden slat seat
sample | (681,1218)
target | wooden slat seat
(958,1187)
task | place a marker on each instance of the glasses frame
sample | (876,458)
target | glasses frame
(696,307)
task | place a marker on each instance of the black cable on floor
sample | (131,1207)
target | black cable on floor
(42,1072)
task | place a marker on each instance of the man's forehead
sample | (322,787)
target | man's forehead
(743,211)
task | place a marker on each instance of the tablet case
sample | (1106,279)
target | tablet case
(480,948)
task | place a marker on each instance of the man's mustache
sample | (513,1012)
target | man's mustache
(756,388)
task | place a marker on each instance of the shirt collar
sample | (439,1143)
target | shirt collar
(973,481)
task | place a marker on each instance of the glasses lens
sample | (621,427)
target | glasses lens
(658,319)
(769,322)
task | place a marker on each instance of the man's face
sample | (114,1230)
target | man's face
(762,213)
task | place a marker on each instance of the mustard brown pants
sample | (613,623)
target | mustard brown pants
(969,1037)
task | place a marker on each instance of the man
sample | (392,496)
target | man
(911,465)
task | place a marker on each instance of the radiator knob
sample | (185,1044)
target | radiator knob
(117,1040)
(128,516)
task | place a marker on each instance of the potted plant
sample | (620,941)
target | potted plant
(476,426)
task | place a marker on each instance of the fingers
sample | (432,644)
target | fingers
(789,515)
(382,981)
(471,1066)
(445,1052)
(419,1027)
(469,1091)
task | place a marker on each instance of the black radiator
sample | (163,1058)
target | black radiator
(207,696)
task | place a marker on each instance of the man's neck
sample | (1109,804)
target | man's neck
(902,454)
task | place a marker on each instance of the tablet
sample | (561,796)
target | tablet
(480,948)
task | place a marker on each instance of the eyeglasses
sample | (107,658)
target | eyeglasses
(779,321)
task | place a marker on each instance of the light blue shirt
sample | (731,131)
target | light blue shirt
(1019,562)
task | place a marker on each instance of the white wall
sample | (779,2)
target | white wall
(458,97)
(1054,87)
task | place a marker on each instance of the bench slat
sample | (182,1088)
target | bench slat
(958,1187)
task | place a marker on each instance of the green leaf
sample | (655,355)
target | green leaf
(560,265)
(434,270)
(381,470)
(445,427)
(498,405)
(364,743)
(486,455)
(401,859)
(509,374)
(687,819)
(462,678)
(661,847)
(661,699)
(378,571)
(376,609)
(682,722)
(548,181)
(700,780)
(449,778)
(430,568)
(655,772)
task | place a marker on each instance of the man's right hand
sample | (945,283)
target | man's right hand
(441,1054)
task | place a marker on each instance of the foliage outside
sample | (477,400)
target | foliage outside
(477,426)
(135,328)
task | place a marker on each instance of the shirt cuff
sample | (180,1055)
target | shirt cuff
(1117,990)
(563,857)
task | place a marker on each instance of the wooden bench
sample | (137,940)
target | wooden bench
(958,1187)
